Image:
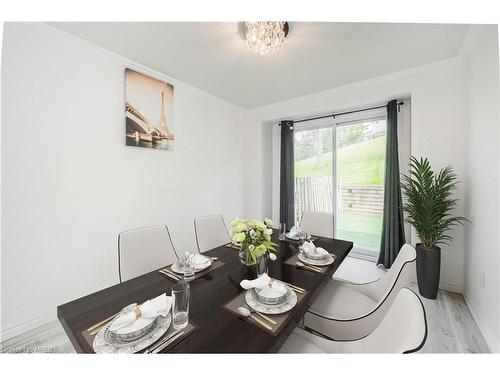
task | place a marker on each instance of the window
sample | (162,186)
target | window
(339,168)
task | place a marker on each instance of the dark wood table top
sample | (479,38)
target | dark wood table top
(219,331)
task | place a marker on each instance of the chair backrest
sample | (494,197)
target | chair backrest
(211,232)
(144,250)
(397,277)
(402,330)
(318,223)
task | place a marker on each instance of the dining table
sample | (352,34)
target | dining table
(217,329)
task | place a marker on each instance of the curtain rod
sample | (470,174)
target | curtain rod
(341,113)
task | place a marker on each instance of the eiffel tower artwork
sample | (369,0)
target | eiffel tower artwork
(147,99)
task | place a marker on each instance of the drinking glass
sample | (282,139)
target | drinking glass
(262,265)
(188,267)
(302,237)
(282,235)
(180,305)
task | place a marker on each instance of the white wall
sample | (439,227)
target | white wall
(70,185)
(482,259)
(438,121)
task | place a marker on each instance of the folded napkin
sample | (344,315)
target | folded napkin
(199,260)
(310,250)
(148,310)
(294,231)
(259,283)
(266,284)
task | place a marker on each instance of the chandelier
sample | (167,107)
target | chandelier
(266,36)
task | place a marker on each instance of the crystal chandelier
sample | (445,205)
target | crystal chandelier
(265,37)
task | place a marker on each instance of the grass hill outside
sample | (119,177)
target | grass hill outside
(358,164)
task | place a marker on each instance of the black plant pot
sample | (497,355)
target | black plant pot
(428,270)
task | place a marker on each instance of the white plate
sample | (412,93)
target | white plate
(105,343)
(135,330)
(177,269)
(315,256)
(252,299)
(316,262)
(296,238)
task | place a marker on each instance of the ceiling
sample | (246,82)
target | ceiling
(317,56)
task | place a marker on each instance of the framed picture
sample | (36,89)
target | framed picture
(149,112)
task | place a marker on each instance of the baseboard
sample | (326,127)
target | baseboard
(21,328)
(491,341)
(451,287)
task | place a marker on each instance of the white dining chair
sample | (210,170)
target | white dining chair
(318,223)
(211,232)
(403,329)
(349,311)
(144,250)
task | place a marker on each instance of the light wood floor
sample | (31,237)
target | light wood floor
(451,327)
(451,330)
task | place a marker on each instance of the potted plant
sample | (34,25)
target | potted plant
(429,205)
(254,237)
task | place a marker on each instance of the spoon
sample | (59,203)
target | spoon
(300,264)
(272,321)
(247,314)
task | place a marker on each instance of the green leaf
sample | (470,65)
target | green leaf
(429,202)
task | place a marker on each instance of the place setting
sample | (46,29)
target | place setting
(148,328)
(191,266)
(295,235)
(266,302)
(312,258)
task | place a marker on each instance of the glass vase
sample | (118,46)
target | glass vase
(245,257)
(257,267)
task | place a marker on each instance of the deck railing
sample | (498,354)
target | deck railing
(316,194)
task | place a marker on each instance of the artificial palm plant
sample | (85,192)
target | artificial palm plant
(429,207)
(429,203)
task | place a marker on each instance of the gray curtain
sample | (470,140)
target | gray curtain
(393,235)
(287,183)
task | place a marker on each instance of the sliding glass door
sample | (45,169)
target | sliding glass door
(339,169)
(313,171)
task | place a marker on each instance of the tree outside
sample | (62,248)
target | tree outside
(360,162)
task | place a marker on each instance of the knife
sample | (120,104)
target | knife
(166,342)
(158,343)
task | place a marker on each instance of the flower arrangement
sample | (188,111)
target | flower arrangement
(254,237)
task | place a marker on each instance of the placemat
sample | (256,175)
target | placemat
(197,275)
(294,258)
(282,319)
(191,327)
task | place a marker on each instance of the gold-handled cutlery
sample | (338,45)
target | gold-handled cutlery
(261,322)
(316,268)
(297,289)
(165,342)
(99,325)
(169,274)
(307,267)
(243,311)
(272,321)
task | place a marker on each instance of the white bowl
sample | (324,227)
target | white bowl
(135,330)
(272,295)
